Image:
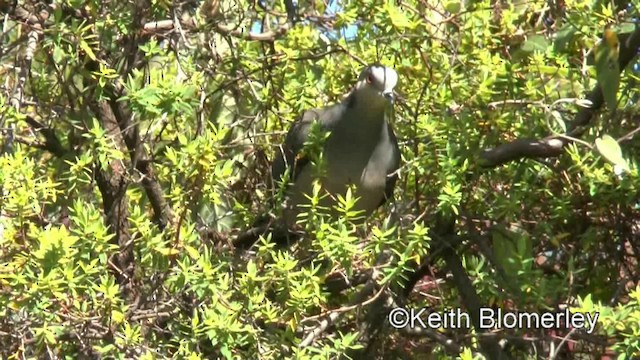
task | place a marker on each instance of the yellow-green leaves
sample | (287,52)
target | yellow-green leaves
(453,7)
(26,190)
(346,205)
(55,239)
(608,68)
(104,75)
(47,334)
(449,199)
(55,248)
(107,288)
(346,18)
(609,148)
(87,49)
(398,18)
(104,145)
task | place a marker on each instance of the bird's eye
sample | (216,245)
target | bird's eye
(369,79)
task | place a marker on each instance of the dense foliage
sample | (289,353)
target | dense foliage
(136,139)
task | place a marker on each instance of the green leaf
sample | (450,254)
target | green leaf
(609,148)
(226,352)
(511,249)
(535,43)
(453,7)
(168,251)
(466,354)
(564,37)
(87,49)
(625,28)
(193,252)
(524,247)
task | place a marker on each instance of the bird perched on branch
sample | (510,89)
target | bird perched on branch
(360,149)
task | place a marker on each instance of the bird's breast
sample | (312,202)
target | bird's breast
(359,160)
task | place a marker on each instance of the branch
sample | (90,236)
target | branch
(324,324)
(25,69)
(358,302)
(36,19)
(162,212)
(553,146)
(52,144)
(337,282)
(491,348)
(22,14)
(17,97)
(291,11)
(111,180)
(241,34)
(443,228)
(420,332)
(235,31)
(164,25)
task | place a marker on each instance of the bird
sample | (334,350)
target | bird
(360,150)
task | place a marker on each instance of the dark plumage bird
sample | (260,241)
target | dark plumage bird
(361,150)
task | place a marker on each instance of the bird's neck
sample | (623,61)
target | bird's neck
(367,106)
(366,119)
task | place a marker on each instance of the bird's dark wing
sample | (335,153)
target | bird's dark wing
(289,154)
(392,175)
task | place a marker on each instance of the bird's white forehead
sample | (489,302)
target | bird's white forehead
(382,75)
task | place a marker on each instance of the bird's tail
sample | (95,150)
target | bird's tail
(263,226)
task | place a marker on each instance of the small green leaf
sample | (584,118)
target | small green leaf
(609,148)
(524,247)
(467,354)
(453,7)
(165,251)
(512,248)
(558,118)
(193,252)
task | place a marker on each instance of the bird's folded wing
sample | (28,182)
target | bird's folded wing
(392,175)
(290,154)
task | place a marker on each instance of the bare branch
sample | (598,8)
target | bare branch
(238,32)
(359,301)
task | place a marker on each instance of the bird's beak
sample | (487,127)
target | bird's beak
(388,94)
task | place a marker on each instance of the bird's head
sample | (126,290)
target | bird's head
(375,85)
